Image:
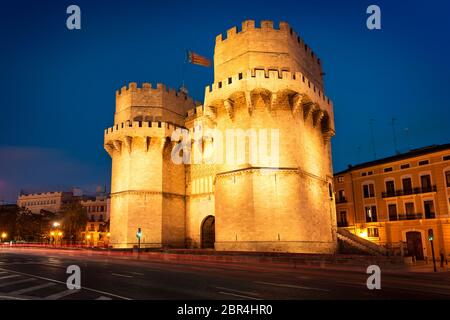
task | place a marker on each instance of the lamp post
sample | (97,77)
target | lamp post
(56,233)
(88,239)
(4,235)
(431,238)
(139,236)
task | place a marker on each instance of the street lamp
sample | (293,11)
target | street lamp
(4,235)
(56,233)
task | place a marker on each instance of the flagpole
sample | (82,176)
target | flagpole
(184,69)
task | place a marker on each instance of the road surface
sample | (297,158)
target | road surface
(41,274)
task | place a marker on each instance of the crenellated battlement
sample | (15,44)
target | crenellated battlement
(267,26)
(149,103)
(142,128)
(148,89)
(265,46)
(272,80)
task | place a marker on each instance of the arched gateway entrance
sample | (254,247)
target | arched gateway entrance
(208,235)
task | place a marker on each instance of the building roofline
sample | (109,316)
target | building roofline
(410,154)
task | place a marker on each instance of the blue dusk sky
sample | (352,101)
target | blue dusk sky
(58,86)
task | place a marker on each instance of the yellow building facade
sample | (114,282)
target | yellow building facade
(267,82)
(96,233)
(395,201)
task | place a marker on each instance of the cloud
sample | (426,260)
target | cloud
(35,169)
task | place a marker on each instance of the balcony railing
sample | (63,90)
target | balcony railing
(430,215)
(410,216)
(405,192)
(341,200)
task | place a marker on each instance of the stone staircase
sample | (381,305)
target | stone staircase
(351,242)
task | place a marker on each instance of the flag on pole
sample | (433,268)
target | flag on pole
(197,59)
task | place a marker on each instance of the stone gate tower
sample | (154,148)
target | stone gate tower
(265,79)
(147,189)
(268,78)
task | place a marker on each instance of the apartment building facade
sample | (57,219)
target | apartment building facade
(396,201)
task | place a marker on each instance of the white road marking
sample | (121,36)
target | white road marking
(103,298)
(57,281)
(238,291)
(11,298)
(238,295)
(30,289)
(8,277)
(137,273)
(121,275)
(3,272)
(61,294)
(290,286)
(16,282)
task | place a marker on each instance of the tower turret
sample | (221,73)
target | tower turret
(147,189)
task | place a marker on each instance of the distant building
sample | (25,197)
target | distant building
(97,228)
(395,201)
(48,201)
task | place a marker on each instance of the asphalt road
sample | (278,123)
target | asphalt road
(41,274)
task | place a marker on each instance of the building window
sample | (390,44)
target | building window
(343,219)
(447,178)
(92,217)
(373,233)
(404,166)
(409,208)
(446,158)
(407,185)
(364,174)
(425,181)
(392,209)
(390,188)
(423,162)
(388,169)
(428,206)
(341,196)
(369,190)
(370,173)
(341,179)
(371,214)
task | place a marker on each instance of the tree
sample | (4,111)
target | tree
(22,224)
(73,220)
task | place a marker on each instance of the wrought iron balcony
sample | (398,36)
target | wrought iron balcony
(341,200)
(430,215)
(405,192)
(410,216)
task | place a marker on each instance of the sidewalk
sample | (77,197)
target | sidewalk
(423,267)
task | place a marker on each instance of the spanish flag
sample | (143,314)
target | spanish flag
(195,58)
